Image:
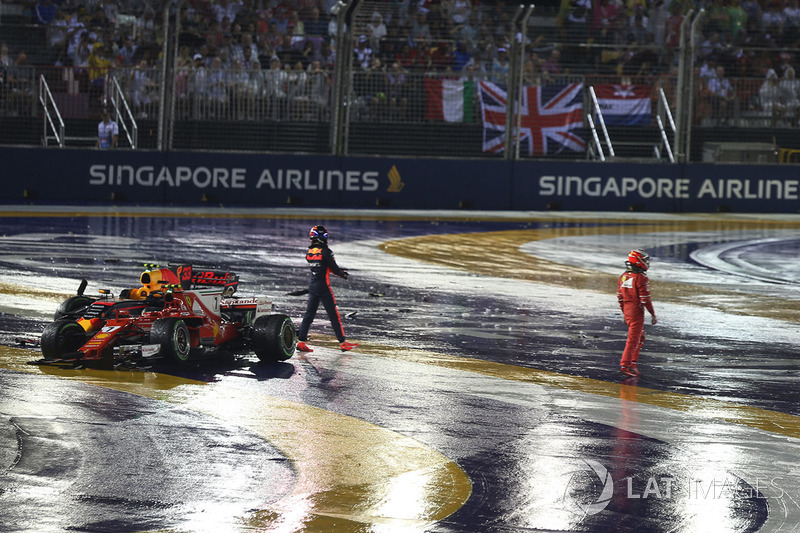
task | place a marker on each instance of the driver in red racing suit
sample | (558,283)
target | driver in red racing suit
(320,259)
(633,293)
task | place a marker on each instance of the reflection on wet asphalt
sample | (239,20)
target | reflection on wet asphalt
(485,394)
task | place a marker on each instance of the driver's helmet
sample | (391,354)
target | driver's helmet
(318,233)
(638,260)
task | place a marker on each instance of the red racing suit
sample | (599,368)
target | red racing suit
(633,293)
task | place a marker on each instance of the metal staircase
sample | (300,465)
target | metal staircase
(54,127)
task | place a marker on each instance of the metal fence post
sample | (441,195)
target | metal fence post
(517,53)
(166,106)
(681,94)
(341,72)
(520,75)
(690,82)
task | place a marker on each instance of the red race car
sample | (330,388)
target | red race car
(178,312)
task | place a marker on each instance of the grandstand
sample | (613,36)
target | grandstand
(599,80)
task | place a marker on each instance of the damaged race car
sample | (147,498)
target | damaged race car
(178,313)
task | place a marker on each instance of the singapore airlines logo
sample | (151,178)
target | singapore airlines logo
(395,181)
(582,495)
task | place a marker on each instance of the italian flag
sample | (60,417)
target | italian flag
(449,100)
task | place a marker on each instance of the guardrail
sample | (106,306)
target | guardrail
(53,123)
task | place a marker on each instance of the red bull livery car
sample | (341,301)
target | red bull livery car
(177,313)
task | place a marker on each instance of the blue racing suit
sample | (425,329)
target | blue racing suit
(320,259)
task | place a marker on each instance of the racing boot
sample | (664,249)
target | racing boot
(303,347)
(628,371)
(347,346)
(635,369)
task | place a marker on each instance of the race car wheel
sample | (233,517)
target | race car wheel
(173,336)
(274,338)
(72,305)
(61,337)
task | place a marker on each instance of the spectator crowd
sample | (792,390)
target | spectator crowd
(252,59)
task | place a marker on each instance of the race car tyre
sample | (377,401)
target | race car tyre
(72,306)
(172,334)
(274,338)
(61,337)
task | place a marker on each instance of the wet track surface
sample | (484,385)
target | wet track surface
(484,396)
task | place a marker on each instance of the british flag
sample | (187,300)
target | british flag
(549,118)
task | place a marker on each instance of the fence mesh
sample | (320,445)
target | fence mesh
(433,78)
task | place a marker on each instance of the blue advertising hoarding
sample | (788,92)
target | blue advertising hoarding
(185,178)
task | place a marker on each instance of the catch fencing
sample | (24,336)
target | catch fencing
(497,81)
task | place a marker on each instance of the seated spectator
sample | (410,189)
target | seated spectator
(773,21)
(442,57)
(297,26)
(500,67)
(126,52)
(144,90)
(461,57)
(397,91)
(721,95)
(273,37)
(638,26)
(288,51)
(146,24)
(792,27)
(773,98)
(717,19)
(314,25)
(737,20)
(754,16)
(248,58)
(459,11)
(5,59)
(100,63)
(376,31)
(327,56)
(576,25)
(82,50)
(420,29)
(552,65)
(216,90)
(710,48)
(20,84)
(319,90)
(392,44)
(298,92)
(604,16)
(362,54)
(791,91)
(275,87)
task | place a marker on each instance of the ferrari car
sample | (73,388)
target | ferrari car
(177,313)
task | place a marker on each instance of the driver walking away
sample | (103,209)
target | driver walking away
(320,259)
(633,293)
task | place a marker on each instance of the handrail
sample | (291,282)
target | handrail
(667,111)
(596,145)
(663,103)
(596,109)
(117,97)
(45,98)
(665,139)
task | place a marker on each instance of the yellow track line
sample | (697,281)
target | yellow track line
(351,475)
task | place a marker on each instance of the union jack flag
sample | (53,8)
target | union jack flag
(549,117)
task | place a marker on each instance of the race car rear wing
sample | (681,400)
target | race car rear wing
(216,278)
(192,277)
